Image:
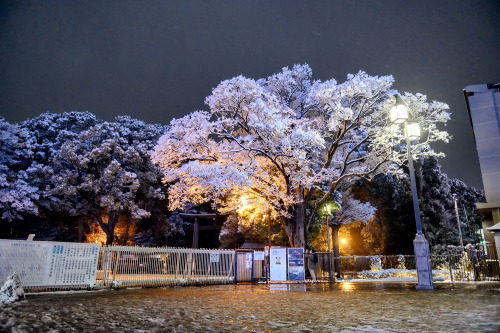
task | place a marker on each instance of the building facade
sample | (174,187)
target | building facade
(483,105)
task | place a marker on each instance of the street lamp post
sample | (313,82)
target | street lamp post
(458,221)
(330,275)
(400,114)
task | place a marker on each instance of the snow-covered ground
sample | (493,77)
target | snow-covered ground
(397,275)
(323,307)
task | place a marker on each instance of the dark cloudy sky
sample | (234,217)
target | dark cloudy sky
(156,60)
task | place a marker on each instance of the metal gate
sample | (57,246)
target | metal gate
(473,262)
(244,267)
(248,267)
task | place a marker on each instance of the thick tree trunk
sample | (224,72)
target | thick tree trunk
(295,227)
(109,228)
(110,237)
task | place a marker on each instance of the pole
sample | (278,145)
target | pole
(416,208)
(420,245)
(458,221)
(269,232)
(268,258)
(329,253)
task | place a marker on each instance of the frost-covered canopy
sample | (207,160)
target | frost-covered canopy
(106,170)
(17,195)
(289,141)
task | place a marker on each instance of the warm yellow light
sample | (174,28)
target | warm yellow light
(414,131)
(343,241)
(399,114)
(244,204)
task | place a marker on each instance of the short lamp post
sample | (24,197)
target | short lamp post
(400,115)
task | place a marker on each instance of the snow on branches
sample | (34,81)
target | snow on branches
(289,141)
(17,195)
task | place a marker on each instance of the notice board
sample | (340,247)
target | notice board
(278,265)
(49,263)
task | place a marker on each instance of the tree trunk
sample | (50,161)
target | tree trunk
(80,228)
(295,227)
(336,251)
(109,228)
(129,221)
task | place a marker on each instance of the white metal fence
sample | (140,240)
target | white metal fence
(44,266)
(154,267)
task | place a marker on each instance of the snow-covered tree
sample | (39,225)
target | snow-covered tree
(231,235)
(436,203)
(106,171)
(46,135)
(290,142)
(470,217)
(17,195)
(393,228)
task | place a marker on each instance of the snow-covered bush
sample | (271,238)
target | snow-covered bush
(375,263)
(387,273)
(11,290)
(401,262)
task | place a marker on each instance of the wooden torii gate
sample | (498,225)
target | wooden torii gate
(196,225)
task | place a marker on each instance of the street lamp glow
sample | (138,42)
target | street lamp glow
(399,114)
(414,131)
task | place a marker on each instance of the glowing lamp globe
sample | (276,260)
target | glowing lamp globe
(399,114)
(414,131)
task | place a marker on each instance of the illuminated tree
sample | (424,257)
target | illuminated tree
(289,142)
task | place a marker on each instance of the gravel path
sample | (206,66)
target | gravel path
(342,307)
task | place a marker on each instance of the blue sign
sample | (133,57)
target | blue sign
(296,270)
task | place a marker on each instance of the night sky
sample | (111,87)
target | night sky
(158,60)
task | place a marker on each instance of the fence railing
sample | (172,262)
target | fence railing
(44,266)
(148,267)
(470,263)
(473,263)
(47,266)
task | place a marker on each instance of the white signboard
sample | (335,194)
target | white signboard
(49,263)
(214,257)
(258,255)
(278,264)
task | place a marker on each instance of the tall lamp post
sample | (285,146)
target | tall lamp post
(330,275)
(458,221)
(399,115)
